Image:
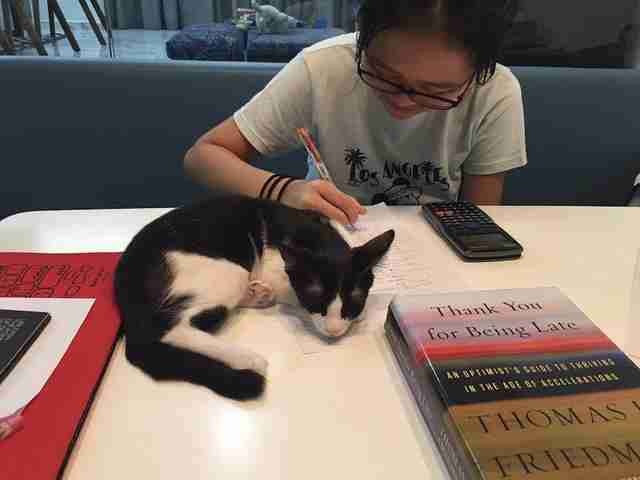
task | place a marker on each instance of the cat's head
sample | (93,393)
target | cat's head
(333,286)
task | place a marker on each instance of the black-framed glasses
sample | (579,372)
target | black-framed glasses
(434,102)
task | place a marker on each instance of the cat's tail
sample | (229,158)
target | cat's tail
(163,361)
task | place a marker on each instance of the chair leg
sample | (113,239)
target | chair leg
(65,26)
(25,22)
(101,15)
(52,22)
(92,22)
(18,30)
(35,8)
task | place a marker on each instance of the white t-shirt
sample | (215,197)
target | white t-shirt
(371,155)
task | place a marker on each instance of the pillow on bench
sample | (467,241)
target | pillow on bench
(210,41)
(282,47)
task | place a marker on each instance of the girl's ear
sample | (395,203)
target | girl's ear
(368,255)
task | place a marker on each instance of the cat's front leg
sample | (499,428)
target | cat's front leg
(241,359)
(258,295)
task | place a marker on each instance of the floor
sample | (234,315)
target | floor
(138,44)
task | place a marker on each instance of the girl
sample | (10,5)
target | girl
(413,107)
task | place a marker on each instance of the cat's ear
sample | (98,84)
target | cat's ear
(369,254)
(293,256)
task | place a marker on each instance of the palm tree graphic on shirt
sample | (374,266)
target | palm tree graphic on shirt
(426,168)
(355,159)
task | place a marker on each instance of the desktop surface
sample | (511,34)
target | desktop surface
(341,410)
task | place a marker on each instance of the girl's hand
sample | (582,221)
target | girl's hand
(325,198)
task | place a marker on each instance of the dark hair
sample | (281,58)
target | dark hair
(479,26)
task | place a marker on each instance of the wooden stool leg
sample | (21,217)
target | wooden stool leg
(100,13)
(18,30)
(92,22)
(25,22)
(52,21)
(35,8)
(65,26)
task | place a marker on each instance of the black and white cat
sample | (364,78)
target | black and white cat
(186,271)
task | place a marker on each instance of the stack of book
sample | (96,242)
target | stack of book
(518,384)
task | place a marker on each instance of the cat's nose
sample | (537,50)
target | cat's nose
(335,329)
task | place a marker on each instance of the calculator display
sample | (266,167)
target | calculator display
(486,241)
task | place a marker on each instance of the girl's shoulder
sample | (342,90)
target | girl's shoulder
(346,42)
(502,87)
(504,81)
(331,64)
(334,54)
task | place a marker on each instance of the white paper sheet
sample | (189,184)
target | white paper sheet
(406,268)
(33,370)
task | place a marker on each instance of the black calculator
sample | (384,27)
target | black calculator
(471,232)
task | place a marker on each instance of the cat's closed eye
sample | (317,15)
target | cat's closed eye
(315,289)
(358,294)
(353,302)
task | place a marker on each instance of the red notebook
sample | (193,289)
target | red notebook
(52,421)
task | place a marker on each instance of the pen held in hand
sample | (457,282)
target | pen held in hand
(312,150)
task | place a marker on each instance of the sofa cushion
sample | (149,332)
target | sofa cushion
(283,47)
(120,130)
(582,136)
(211,41)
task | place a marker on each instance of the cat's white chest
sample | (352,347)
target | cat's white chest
(269,270)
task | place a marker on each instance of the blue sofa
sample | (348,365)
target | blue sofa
(107,134)
(224,41)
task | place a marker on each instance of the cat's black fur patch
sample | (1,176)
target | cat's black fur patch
(210,320)
(162,361)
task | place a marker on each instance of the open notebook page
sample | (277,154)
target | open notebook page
(411,265)
(406,266)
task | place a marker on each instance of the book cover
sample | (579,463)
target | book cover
(519,384)
(18,330)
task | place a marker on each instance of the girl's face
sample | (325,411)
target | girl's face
(426,63)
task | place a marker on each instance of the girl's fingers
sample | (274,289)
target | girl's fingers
(349,206)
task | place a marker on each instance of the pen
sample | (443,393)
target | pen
(312,150)
(10,424)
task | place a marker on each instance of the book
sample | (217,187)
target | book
(52,421)
(518,384)
(18,330)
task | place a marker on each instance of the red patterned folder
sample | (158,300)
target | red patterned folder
(52,421)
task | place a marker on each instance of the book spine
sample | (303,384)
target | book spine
(452,449)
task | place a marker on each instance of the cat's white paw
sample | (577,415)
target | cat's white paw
(258,295)
(250,361)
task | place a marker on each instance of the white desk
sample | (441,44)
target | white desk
(343,412)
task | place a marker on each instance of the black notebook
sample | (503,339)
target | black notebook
(18,330)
